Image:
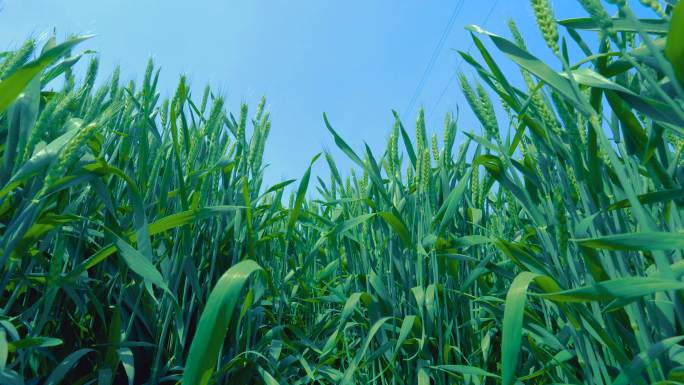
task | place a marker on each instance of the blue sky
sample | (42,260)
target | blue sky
(353,59)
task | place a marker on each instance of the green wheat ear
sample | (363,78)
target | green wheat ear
(393,148)
(91,73)
(655,6)
(68,155)
(435,148)
(16,59)
(241,138)
(425,169)
(599,14)
(363,183)
(547,22)
(475,186)
(517,36)
(488,114)
(421,136)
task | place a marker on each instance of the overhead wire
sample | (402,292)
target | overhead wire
(458,65)
(433,59)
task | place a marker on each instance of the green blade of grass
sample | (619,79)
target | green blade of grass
(67,363)
(635,241)
(512,325)
(675,41)
(623,289)
(214,321)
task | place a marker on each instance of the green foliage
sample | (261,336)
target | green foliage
(138,243)
(675,41)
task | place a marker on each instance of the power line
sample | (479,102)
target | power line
(458,66)
(433,58)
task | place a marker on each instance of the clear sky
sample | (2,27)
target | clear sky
(353,59)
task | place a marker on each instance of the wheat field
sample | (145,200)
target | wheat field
(140,245)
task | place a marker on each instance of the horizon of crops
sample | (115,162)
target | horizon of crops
(139,244)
